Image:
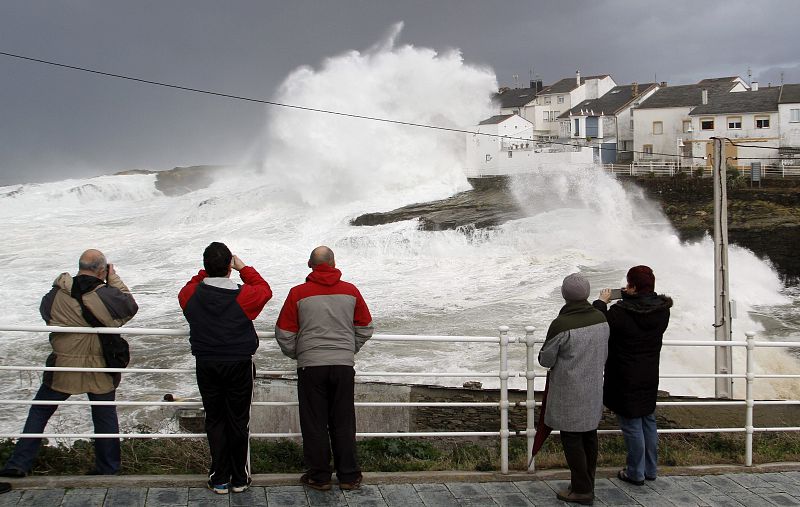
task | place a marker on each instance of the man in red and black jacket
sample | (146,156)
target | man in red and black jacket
(322,324)
(220,314)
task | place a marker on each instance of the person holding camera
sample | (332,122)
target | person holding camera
(95,297)
(638,322)
(575,350)
(223,339)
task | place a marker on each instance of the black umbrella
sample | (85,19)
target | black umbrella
(542,430)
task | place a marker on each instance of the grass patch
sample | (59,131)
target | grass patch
(191,456)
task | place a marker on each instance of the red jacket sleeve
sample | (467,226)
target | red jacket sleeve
(361,315)
(187,291)
(254,293)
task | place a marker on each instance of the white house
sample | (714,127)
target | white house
(662,123)
(749,118)
(504,145)
(605,122)
(559,97)
(789,121)
(519,101)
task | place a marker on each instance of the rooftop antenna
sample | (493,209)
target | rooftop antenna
(781,78)
(516,80)
(749,76)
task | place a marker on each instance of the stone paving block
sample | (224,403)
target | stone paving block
(535,490)
(331,498)
(724,484)
(748,480)
(157,497)
(795,476)
(89,497)
(466,489)
(724,501)
(41,497)
(663,484)
(682,498)
(10,498)
(400,495)
(477,501)
(500,488)
(207,498)
(438,498)
(255,496)
(749,499)
(287,496)
(763,491)
(782,499)
(701,489)
(607,492)
(512,500)
(366,495)
(126,497)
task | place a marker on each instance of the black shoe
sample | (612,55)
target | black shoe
(318,485)
(351,485)
(4,487)
(12,472)
(623,476)
(567,495)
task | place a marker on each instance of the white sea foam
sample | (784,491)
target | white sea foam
(319,172)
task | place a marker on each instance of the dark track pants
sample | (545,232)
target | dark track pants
(227,391)
(328,419)
(104,417)
(580,449)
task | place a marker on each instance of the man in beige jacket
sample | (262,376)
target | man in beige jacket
(95,297)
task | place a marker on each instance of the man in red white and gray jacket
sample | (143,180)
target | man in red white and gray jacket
(323,324)
(220,313)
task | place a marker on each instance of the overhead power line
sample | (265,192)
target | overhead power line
(314,109)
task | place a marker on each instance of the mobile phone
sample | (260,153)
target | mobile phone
(616,293)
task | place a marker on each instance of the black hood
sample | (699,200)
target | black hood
(647,310)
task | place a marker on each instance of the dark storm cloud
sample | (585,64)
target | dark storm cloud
(58,123)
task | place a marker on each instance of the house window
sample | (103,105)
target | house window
(577,127)
(648,150)
(706,123)
(631,123)
(658,128)
(547,100)
(510,154)
(762,122)
(560,99)
(794,115)
(546,117)
(734,122)
(687,125)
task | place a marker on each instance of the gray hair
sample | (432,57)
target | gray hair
(93,261)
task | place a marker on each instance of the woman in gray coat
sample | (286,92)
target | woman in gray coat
(575,350)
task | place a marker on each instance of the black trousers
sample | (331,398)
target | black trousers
(227,391)
(328,419)
(580,449)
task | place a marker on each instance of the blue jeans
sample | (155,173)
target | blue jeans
(641,440)
(104,417)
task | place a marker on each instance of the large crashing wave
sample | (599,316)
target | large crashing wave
(332,159)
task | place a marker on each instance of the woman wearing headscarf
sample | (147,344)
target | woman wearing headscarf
(637,323)
(575,350)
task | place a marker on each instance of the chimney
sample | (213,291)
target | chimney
(663,84)
(704,94)
(754,86)
(536,84)
(577,78)
(635,91)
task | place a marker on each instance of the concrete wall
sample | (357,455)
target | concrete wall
(789,131)
(748,134)
(667,142)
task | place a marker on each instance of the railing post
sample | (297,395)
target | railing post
(530,398)
(748,418)
(503,399)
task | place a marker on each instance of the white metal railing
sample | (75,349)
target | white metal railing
(749,402)
(502,374)
(662,168)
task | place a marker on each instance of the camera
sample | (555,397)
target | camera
(616,293)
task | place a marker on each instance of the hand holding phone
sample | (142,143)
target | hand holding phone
(616,293)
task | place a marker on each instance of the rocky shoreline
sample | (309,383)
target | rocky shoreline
(765,220)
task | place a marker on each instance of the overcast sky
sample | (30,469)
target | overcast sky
(57,123)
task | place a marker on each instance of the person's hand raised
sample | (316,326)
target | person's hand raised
(237,263)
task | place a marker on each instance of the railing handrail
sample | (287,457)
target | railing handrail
(503,339)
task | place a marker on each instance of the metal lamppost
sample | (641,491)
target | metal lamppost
(679,151)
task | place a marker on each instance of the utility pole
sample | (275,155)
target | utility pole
(723,358)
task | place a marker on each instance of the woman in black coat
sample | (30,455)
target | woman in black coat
(630,385)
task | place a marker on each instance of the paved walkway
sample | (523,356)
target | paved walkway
(730,489)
